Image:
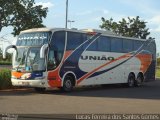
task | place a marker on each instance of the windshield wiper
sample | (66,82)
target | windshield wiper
(22,59)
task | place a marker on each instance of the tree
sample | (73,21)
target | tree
(21,14)
(158,62)
(131,27)
(8,56)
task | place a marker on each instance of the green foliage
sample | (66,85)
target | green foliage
(158,62)
(131,27)
(158,55)
(7,61)
(158,68)
(158,73)
(5,79)
(21,15)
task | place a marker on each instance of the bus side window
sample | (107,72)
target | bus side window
(93,46)
(137,44)
(56,50)
(116,45)
(104,44)
(127,45)
(51,60)
(74,40)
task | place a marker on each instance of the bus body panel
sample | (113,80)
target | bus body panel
(90,67)
(117,75)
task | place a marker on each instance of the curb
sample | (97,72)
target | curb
(158,78)
(13,90)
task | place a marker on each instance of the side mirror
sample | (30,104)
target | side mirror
(42,50)
(7,48)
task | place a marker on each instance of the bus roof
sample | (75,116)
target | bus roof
(105,33)
(100,31)
(36,30)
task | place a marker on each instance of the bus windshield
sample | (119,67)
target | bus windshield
(28,59)
(33,39)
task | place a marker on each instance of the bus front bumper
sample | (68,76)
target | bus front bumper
(29,83)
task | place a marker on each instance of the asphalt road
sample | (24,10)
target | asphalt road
(108,99)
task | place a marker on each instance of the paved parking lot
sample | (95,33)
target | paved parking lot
(108,99)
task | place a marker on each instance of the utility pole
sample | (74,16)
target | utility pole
(66,35)
(66,13)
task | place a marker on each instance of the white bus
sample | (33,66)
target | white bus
(64,58)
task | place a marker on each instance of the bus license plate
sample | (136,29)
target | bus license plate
(25,83)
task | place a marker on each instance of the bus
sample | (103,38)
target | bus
(64,58)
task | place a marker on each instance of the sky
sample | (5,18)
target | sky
(88,13)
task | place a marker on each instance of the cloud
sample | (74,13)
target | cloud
(45,4)
(157,29)
(91,12)
(155,22)
(156,19)
(145,7)
(93,17)
(105,11)
(84,13)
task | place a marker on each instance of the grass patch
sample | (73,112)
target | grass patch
(158,73)
(5,63)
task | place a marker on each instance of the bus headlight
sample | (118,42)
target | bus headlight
(26,76)
(14,77)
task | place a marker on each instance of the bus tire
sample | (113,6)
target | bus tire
(131,80)
(67,84)
(139,80)
(40,90)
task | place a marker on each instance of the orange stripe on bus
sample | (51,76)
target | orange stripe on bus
(146,60)
(67,54)
(54,80)
(17,74)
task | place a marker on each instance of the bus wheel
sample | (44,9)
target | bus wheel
(67,84)
(39,89)
(131,80)
(139,81)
